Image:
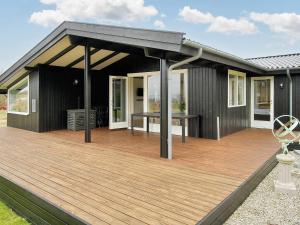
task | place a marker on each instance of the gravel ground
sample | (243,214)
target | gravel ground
(264,206)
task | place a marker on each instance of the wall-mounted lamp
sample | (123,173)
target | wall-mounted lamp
(75,82)
(281,85)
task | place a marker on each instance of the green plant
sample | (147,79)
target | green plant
(182,106)
(9,217)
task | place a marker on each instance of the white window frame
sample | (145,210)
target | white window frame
(8,99)
(237,74)
(176,130)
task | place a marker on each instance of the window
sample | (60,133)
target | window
(178,91)
(236,88)
(18,98)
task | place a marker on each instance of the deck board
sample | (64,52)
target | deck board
(120,179)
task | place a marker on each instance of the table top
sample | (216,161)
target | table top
(157,115)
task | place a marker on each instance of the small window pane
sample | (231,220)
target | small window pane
(232,90)
(262,100)
(18,97)
(178,91)
(236,88)
(241,85)
(119,100)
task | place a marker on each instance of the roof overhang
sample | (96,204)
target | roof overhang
(66,42)
(65,47)
(221,57)
(293,70)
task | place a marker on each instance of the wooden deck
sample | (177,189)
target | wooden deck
(120,179)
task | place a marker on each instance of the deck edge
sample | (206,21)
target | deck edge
(227,207)
(34,208)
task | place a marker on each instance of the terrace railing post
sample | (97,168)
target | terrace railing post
(164,124)
(87,92)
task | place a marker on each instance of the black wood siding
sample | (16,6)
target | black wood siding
(54,91)
(296,95)
(57,94)
(208,96)
(281,96)
(132,64)
(202,89)
(31,121)
(235,118)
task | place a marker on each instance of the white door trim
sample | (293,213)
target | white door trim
(156,127)
(262,124)
(117,125)
(131,104)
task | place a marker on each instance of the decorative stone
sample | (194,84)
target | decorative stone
(284,183)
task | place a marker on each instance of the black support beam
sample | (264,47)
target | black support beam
(164,126)
(104,59)
(3,91)
(87,92)
(60,54)
(81,58)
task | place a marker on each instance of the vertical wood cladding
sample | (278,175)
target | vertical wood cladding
(202,96)
(31,121)
(232,119)
(281,95)
(208,96)
(57,94)
(130,64)
(296,95)
(54,91)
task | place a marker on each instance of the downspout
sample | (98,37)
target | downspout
(171,68)
(291,91)
(186,61)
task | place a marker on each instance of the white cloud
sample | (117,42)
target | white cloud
(119,11)
(217,24)
(48,17)
(159,24)
(283,23)
(224,25)
(195,16)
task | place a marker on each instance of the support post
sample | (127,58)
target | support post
(164,123)
(87,92)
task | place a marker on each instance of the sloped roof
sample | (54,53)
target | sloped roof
(65,47)
(278,61)
(67,39)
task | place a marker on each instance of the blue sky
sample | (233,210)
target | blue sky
(246,28)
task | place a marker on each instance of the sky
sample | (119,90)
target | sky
(248,28)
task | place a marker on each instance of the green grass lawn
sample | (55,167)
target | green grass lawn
(2,118)
(9,217)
